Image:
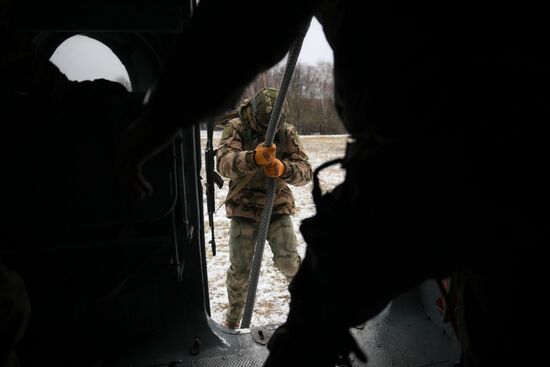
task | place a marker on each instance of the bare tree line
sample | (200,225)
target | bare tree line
(310,96)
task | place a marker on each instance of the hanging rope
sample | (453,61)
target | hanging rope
(274,120)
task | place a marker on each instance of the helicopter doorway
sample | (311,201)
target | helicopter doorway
(83,58)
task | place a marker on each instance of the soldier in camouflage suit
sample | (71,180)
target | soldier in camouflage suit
(242,157)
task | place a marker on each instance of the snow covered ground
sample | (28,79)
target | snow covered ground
(272,296)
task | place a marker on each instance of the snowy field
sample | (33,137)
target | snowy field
(272,296)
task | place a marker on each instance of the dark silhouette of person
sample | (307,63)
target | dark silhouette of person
(14,314)
(66,108)
(447,105)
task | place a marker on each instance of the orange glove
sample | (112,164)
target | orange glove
(264,156)
(275,169)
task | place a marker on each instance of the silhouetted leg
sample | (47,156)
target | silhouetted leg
(14,314)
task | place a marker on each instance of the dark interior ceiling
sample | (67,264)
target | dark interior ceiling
(103,15)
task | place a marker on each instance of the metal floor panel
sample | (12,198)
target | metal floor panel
(403,335)
(250,354)
(402,339)
(253,357)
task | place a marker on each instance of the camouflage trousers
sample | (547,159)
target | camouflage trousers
(242,239)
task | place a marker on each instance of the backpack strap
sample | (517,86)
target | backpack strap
(223,119)
(246,136)
(241,185)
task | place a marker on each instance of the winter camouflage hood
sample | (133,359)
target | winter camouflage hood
(257,111)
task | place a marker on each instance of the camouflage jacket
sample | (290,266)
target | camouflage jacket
(235,160)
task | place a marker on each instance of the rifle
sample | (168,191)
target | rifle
(212,177)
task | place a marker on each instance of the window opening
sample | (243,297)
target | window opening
(323,136)
(83,58)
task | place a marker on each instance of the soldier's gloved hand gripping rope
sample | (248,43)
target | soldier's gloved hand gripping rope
(264,155)
(275,169)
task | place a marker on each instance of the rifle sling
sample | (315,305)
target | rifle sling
(238,188)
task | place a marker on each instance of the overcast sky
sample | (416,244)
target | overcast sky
(83,58)
(315,47)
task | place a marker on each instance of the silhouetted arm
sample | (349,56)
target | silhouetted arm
(297,167)
(225,45)
(233,160)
